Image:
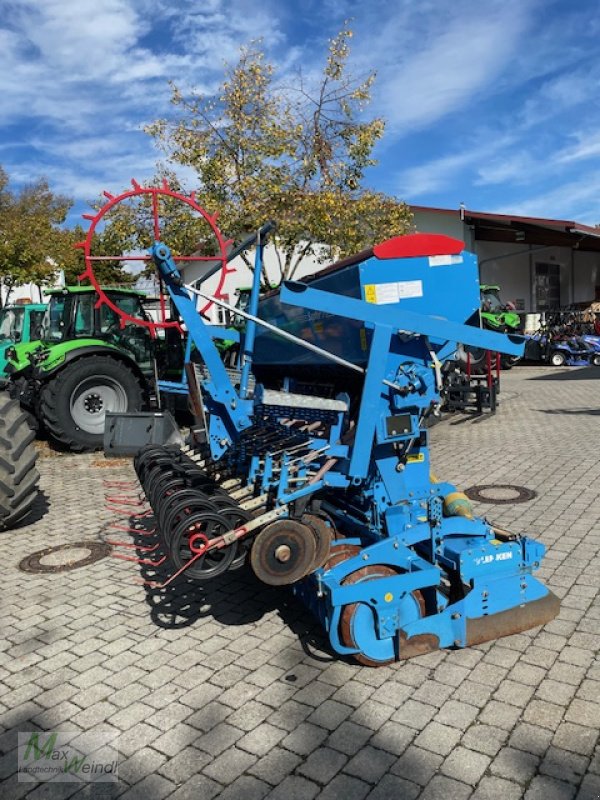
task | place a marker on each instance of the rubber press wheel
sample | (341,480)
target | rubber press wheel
(179,506)
(358,624)
(74,402)
(213,563)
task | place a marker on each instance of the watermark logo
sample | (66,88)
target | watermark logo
(65,757)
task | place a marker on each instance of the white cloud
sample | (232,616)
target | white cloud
(434,57)
(79,79)
(575,199)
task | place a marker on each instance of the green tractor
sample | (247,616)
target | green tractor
(83,364)
(21,322)
(499,316)
(496,316)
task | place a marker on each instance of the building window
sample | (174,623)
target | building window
(223,315)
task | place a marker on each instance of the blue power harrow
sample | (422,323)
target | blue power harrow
(311,461)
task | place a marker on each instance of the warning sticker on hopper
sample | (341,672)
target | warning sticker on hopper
(384,293)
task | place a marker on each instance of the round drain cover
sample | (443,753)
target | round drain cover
(65,557)
(499,493)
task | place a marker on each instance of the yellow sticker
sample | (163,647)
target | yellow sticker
(417,459)
(370,293)
(388,597)
(495,541)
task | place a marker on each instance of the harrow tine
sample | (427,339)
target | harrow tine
(156,585)
(122,499)
(145,561)
(136,531)
(133,545)
(126,512)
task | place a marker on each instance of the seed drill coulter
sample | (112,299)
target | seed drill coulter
(311,460)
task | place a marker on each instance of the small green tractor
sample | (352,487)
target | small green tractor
(495,316)
(84,363)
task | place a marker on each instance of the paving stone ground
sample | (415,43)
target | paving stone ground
(227,690)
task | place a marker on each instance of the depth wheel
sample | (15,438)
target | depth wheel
(358,623)
(323,535)
(283,552)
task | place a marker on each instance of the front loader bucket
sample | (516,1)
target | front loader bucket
(126,433)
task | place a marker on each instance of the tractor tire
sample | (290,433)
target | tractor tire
(75,401)
(18,475)
(558,358)
(475,357)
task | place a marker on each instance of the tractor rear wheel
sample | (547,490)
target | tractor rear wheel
(18,475)
(75,401)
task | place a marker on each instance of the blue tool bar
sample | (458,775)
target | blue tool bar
(250,332)
(220,387)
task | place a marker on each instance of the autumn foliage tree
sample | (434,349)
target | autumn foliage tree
(295,152)
(32,242)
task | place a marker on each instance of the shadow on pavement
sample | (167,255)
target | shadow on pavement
(594,412)
(39,509)
(570,374)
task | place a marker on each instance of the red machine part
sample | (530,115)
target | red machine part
(155,193)
(418,244)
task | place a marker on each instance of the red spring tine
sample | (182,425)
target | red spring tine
(155,585)
(126,512)
(123,500)
(147,561)
(137,531)
(133,545)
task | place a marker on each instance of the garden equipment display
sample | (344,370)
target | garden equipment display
(311,460)
(559,349)
(566,338)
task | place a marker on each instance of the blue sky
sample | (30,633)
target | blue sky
(493,103)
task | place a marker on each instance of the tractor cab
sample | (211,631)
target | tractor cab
(72,314)
(19,323)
